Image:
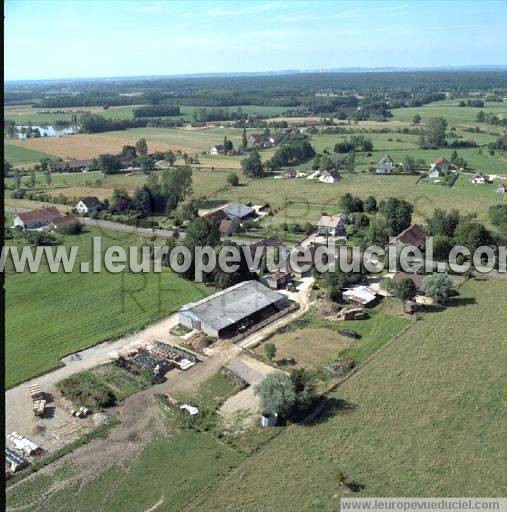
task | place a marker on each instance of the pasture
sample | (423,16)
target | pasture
(407,424)
(15,154)
(50,315)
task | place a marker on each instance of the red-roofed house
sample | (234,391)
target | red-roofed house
(480,178)
(36,219)
(441,164)
(414,235)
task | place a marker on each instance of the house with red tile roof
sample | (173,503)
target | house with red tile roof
(413,235)
(36,219)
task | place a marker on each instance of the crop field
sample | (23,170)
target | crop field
(407,424)
(21,155)
(50,315)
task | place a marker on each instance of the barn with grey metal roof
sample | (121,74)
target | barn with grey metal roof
(231,308)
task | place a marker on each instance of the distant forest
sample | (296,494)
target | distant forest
(316,93)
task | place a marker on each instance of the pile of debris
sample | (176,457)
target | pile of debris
(13,462)
(352,314)
(82,412)
(341,367)
(177,356)
(235,378)
(199,341)
(157,365)
(26,446)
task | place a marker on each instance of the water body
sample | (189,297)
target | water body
(45,131)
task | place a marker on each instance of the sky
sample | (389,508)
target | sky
(75,39)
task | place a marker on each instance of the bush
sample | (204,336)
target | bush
(85,390)
(233,179)
(40,238)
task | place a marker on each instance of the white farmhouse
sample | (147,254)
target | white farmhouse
(88,204)
(386,165)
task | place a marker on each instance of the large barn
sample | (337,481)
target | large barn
(225,313)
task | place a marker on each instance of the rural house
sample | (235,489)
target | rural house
(330,177)
(433,173)
(276,280)
(386,165)
(480,178)
(215,150)
(272,241)
(89,204)
(413,235)
(36,218)
(254,138)
(290,174)
(502,188)
(441,164)
(239,212)
(333,225)
(227,227)
(64,220)
(229,312)
(216,216)
(72,166)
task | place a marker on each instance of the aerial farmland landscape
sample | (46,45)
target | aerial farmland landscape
(254,256)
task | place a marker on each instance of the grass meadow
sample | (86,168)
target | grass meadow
(50,315)
(408,424)
(20,155)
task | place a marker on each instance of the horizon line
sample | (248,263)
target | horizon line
(281,72)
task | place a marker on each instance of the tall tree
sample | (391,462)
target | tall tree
(276,394)
(437,286)
(435,132)
(252,166)
(142,147)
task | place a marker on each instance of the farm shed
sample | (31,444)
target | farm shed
(359,295)
(221,315)
(36,218)
(239,212)
(14,461)
(276,279)
(413,235)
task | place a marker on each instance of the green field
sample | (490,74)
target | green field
(50,315)
(409,424)
(18,155)
(313,197)
(450,110)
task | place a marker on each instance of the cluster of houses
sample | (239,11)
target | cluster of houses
(50,218)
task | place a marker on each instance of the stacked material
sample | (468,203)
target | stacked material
(35,392)
(39,406)
(23,444)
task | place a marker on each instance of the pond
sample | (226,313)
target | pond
(45,131)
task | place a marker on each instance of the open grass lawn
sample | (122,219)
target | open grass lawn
(450,110)
(308,347)
(19,155)
(49,315)
(310,197)
(168,472)
(424,418)
(316,342)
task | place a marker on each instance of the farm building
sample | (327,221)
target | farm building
(330,177)
(331,224)
(386,165)
(276,279)
(215,150)
(290,174)
(480,178)
(14,461)
(72,166)
(227,227)
(89,204)
(225,313)
(433,173)
(414,235)
(239,212)
(441,164)
(216,216)
(64,220)
(254,138)
(502,188)
(415,278)
(360,295)
(36,218)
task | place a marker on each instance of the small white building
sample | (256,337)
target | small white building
(332,225)
(480,179)
(330,177)
(433,174)
(502,188)
(88,204)
(216,150)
